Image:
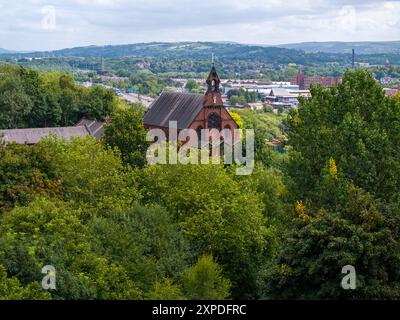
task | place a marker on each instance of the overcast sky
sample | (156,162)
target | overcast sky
(47,24)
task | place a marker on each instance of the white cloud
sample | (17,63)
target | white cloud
(86,22)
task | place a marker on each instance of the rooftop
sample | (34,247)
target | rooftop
(174,106)
(34,135)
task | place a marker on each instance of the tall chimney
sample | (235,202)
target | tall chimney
(353,60)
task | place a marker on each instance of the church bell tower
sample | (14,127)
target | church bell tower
(213,97)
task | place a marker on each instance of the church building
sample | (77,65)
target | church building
(191,111)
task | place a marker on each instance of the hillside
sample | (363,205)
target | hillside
(228,52)
(182,50)
(381,47)
(4,51)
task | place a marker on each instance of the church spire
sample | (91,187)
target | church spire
(213,95)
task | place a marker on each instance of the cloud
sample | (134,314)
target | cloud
(87,22)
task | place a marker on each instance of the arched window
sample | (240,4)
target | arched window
(214,121)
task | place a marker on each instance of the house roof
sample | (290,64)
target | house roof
(281,92)
(95,128)
(172,106)
(34,135)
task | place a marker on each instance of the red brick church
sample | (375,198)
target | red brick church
(191,111)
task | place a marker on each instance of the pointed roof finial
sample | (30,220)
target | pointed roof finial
(212,59)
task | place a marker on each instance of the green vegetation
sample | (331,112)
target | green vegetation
(241,96)
(125,131)
(163,61)
(30,99)
(193,86)
(149,84)
(343,169)
(116,228)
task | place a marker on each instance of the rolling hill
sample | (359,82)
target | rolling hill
(305,53)
(196,51)
(381,47)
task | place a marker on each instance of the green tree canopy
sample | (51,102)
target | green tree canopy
(125,131)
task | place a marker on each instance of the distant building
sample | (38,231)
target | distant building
(262,87)
(284,98)
(305,83)
(282,95)
(112,78)
(391,92)
(32,136)
(254,106)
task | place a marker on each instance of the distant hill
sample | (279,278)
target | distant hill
(196,51)
(165,49)
(380,47)
(226,52)
(4,51)
(11,52)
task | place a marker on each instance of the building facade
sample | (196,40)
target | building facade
(191,111)
(305,83)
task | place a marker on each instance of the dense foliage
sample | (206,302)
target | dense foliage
(32,99)
(115,227)
(343,169)
(163,61)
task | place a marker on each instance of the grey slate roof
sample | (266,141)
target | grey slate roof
(172,106)
(281,92)
(95,128)
(34,135)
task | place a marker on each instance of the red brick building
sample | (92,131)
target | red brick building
(191,111)
(305,83)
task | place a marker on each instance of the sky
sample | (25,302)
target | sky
(39,25)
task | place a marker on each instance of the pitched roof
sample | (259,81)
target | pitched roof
(32,136)
(95,128)
(281,92)
(172,106)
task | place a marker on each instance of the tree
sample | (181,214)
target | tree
(92,176)
(361,234)
(166,290)
(216,214)
(205,281)
(342,186)
(160,251)
(15,104)
(234,100)
(32,99)
(193,86)
(69,107)
(236,117)
(11,289)
(356,125)
(50,232)
(125,131)
(25,172)
(268,108)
